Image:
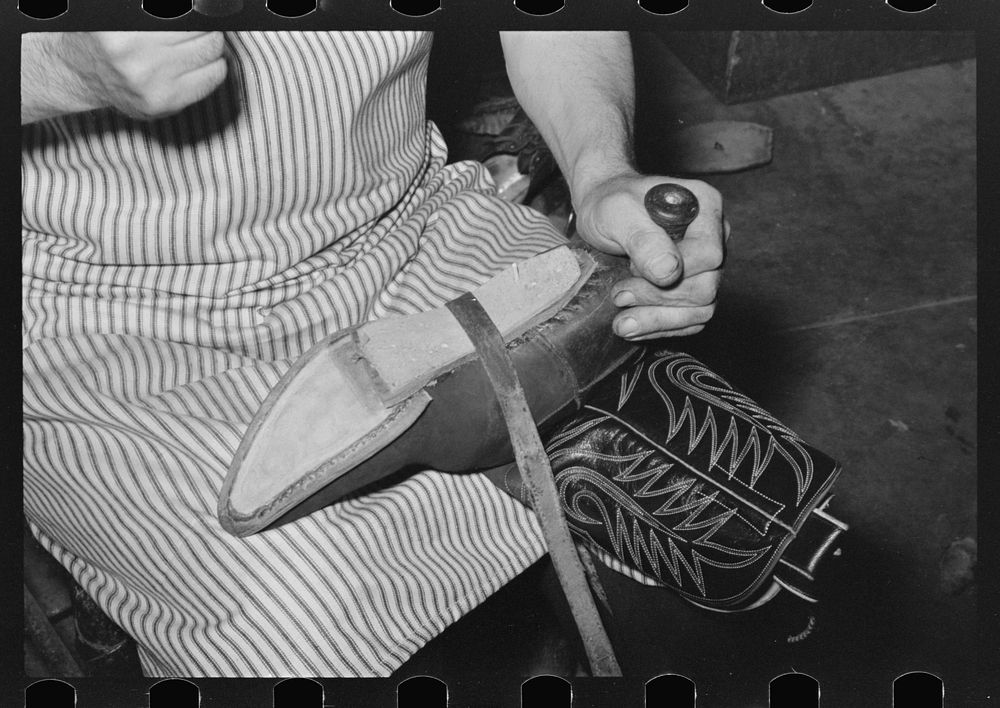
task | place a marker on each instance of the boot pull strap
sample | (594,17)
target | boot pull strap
(536,472)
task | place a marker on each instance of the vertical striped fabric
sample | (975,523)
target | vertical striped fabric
(172,272)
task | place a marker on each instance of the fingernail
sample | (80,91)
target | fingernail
(624,299)
(663,267)
(627,326)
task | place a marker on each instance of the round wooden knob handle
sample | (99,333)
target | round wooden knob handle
(672,207)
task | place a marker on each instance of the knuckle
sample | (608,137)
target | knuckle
(702,316)
(708,190)
(712,283)
(121,50)
(714,256)
(616,199)
(616,202)
(210,49)
(709,198)
(207,84)
(138,74)
(691,317)
(643,247)
(219,73)
(156,104)
(664,318)
(634,239)
(112,43)
(704,297)
(217,42)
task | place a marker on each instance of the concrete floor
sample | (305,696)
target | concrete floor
(849,310)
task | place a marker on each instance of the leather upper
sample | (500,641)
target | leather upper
(680,476)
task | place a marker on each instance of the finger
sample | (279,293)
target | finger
(199,53)
(199,83)
(686,332)
(693,291)
(641,321)
(653,254)
(703,247)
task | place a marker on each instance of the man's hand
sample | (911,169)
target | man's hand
(578,89)
(674,289)
(148,74)
(144,75)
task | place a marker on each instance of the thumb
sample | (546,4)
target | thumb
(654,255)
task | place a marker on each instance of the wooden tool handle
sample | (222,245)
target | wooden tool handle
(672,207)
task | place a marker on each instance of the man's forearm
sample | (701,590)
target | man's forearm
(48,87)
(579,90)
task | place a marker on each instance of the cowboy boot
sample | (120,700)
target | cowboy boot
(670,473)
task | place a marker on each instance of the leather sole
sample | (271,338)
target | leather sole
(402,393)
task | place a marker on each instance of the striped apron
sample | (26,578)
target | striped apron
(172,271)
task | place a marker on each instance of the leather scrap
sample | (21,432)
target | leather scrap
(718,147)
